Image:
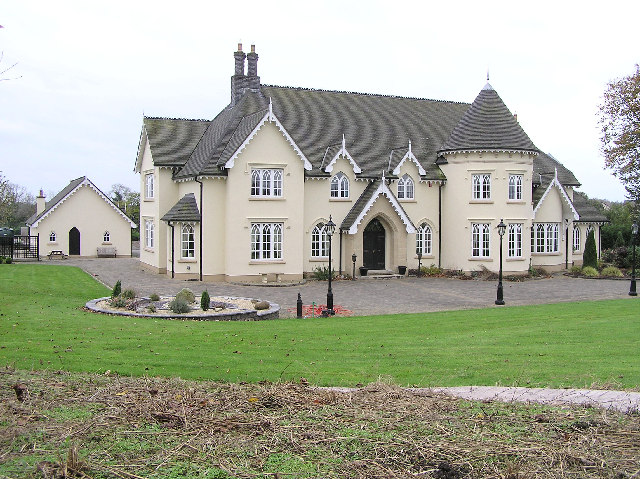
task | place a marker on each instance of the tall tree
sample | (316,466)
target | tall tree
(619,119)
(16,204)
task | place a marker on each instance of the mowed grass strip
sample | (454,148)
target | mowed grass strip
(587,344)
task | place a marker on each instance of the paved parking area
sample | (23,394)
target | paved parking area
(364,297)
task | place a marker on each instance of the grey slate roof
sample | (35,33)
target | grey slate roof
(186,209)
(173,140)
(586,211)
(73,184)
(544,166)
(377,131)
(359,205)
(488,125)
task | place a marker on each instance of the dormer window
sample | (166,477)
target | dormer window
(339,186)
(405,188)
(266,182)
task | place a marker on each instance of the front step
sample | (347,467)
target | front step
(381,274)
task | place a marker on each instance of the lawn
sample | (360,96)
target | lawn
(587,344)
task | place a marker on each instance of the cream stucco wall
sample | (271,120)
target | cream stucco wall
(460,211)
(87,211)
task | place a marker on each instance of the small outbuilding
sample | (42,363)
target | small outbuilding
(81,221)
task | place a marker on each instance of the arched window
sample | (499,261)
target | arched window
(266,241)
(481,187)
(339,186)
(52,237)
(188,243)
(148,233)
(106,237)
(266,182)
(515,187)
(576,238)
(319,241)
(423,239)
(405,188)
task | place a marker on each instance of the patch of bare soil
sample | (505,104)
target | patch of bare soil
(58,425)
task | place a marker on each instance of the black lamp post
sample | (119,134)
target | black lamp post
(632,288)
(501,229)
(419,263)
(353,258)
(331,228)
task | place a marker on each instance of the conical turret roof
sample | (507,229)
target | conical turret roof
(488,125)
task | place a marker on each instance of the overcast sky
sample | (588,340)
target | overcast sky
(87,71)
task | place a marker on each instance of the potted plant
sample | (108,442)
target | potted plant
(363,271)
(402,270)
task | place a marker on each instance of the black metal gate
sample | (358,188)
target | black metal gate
(20,247)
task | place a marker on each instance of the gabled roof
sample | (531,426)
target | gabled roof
(66,193)
(587,212)
(541,192)
(368,197)
(186,209)
(488,125)
(544,168)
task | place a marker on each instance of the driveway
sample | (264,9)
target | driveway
(364,297)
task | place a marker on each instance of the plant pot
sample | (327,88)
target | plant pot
(363,271)
(402,270)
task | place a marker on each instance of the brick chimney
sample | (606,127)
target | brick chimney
(241,82)
(40,203)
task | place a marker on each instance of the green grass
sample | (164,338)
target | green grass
(43,326)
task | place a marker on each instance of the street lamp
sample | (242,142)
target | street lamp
(632,288)
(501,229)
(419,263)
(353,258)
(331,228)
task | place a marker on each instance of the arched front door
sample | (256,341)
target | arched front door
(373,239)
(74,241)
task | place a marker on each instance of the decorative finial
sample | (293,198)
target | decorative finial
(409,146)
(343,143)
(487,74)
(270,108)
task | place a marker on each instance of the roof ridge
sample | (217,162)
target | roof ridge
(381,95)
(172,118)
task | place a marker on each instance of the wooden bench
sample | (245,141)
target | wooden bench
(106,251)
(56,253)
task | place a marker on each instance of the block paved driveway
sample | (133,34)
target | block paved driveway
(364,297)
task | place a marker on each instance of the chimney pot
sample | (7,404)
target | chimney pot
(253,48)
(239,47)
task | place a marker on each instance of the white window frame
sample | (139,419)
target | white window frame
(545,238)
(149,232)
(149,186)
(340,186)
(106,237)
(52,237)
(576,238)
(266,182)
(319,241)
(424,239)
(481,186)
(406,189)
(480,240)
(514,240)
(515,187)
(187,241)
(266,241)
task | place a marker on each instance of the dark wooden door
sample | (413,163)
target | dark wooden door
(373,245)
(74,241)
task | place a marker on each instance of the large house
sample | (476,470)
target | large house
(247,196)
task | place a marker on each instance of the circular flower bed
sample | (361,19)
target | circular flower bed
(221,308)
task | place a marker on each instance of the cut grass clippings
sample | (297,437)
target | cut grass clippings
(83,425)
(585,344)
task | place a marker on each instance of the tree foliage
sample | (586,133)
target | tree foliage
(129,202)
(16,204)
(590,256)
(619,119)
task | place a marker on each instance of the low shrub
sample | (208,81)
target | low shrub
(128,294)
(432,270)
(118,302)
(321,273)
(154,297)
(205,300)
(151,308)
(187,295)
(611,272)
(8,260)
(179,305)
(590,271)
(117,289)
(622,256)
(575,270)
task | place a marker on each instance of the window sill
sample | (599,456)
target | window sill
(267,261)
(407,200)
(52,243)
(187,260)
(149,250)
(558,253)
(318,259)
(341,199)
(481,202)
(516,202)
(149,199)
(267,198)
(107,243)
(425,256)
(515,259)
(481,258)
